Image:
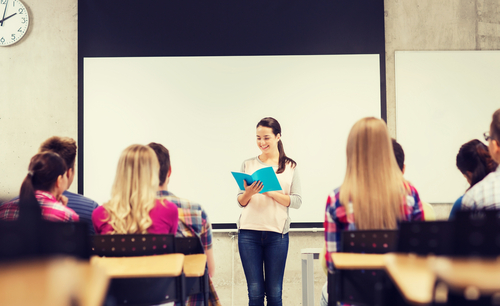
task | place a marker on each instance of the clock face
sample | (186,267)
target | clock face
(14,21)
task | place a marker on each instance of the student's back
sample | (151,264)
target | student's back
(374,194)
(486,193)
(133,207)
(46,180)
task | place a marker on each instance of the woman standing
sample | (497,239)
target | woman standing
(133,208)
(374,194)
(264,221)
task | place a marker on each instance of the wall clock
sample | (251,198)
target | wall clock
(14,21)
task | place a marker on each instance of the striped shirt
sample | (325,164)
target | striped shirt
(52,209)
(83,207)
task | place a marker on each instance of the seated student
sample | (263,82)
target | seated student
(429,214)
(475,162)
(374,194)
(133,207)
(486,193)
(193,220)
(46,181)
(66,148)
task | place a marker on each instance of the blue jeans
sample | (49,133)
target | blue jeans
(263,256)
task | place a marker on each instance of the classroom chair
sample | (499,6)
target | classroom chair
(361,286)
(47,263)
(466,269)
(144,268)
(195,266)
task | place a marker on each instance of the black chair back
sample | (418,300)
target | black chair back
(45,238)
(362,287)
(188,245)
(425,237)
(132,245)
(477,233)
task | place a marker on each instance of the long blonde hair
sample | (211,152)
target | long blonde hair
(134,191)
(373,182)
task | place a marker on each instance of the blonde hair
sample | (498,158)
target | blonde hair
(373,182)
(134,191)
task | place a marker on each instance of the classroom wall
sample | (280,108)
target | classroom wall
(38,99)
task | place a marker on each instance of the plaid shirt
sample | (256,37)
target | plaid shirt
(193,221)
(52,209)
(192,215)
(338,220)
(485,194)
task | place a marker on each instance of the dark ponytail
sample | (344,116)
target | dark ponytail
(43,172)
(283,159)
(474,157)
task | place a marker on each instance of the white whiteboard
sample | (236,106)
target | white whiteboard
(205,109)
(443,100)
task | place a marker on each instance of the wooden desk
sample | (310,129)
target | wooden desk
(55,281)
(356,261)
(168,265)
(413,276)
(194,265)
(480,275)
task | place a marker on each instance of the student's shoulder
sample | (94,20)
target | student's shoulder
(99,212)
(78,199)
(183,203)
(333,199)
(478,193)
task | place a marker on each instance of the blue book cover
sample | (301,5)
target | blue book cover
(265,175)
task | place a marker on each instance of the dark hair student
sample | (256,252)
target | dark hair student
(276,128)
(474,161)
(45,182)
(484,195)
(264,222)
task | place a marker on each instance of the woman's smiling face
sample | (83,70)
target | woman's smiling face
(266,140)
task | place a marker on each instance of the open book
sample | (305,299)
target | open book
(265,175)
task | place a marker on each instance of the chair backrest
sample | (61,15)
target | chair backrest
(369,241)
(362,287)
(65,238)
(188,245)
(144,290)
(132,245)
(424,238)
(19,240)
(477,233)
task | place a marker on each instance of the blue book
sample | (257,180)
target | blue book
(265,175)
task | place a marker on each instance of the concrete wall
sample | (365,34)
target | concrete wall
(38,88)
(38,99)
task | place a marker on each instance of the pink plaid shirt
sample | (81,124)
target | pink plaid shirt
(52,209)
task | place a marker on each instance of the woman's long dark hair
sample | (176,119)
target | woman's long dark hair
(474,157)
(275,126)
(43,171)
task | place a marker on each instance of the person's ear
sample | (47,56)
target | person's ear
(169,172)
(59,180)
(495,150)
(404,168)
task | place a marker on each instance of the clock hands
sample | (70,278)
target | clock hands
(7,18)
(4,10)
